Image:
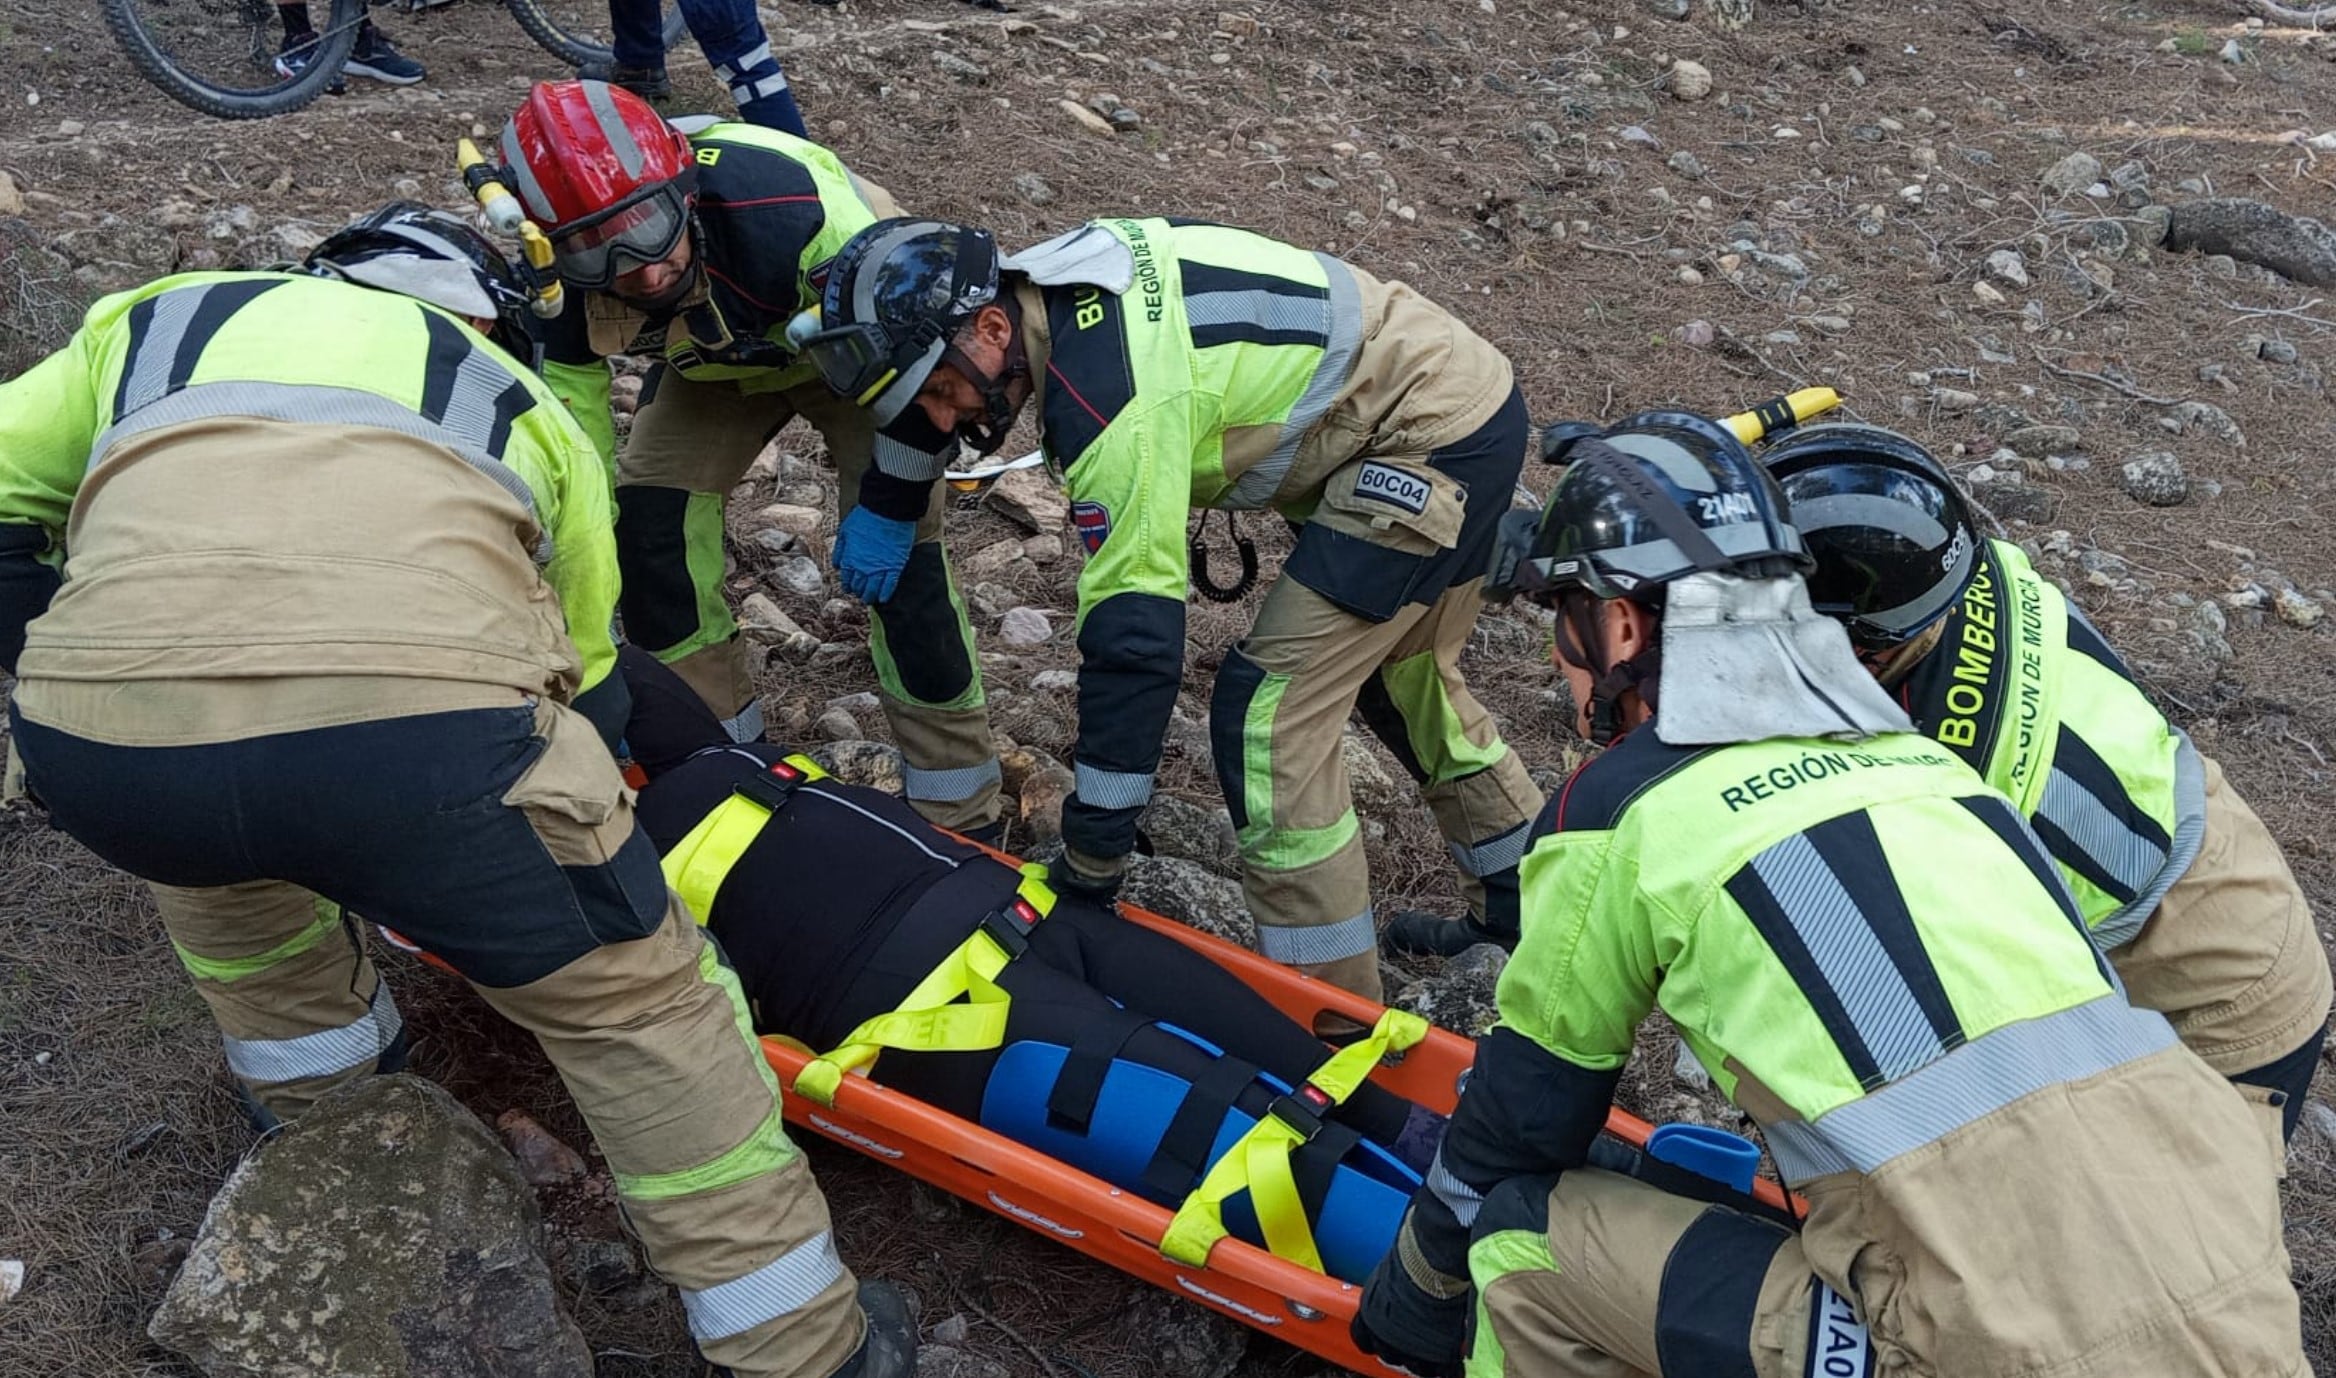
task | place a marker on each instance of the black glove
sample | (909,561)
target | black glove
(1399,1323)
(1064,877)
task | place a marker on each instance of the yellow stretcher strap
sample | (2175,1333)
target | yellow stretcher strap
(930,1019)
(1259,1161)
(1780,414)
(702,860)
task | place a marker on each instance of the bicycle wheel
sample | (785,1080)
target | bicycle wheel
(219,56)
(577,31)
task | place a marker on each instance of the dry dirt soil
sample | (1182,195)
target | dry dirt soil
(1519,160)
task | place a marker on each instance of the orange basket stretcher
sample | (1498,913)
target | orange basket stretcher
(1293,1304)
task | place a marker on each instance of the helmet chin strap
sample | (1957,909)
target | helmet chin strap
(1582,641)
(986,435)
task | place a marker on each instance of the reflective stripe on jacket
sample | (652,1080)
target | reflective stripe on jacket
(260,475)
(2025,689)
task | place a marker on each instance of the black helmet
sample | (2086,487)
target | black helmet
(1891,536)
(1658,497)
(435,257)
(895,297)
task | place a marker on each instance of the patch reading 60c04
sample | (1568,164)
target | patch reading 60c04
(1810,767)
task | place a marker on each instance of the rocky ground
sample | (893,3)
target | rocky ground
(1957,214)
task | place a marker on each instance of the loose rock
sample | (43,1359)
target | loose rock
(857,761)
(1689,80)
(1087,119)
(961,68)
(836,725)
(787,516)
(800,575)
(384,1232)
(2296,610)
(2037,440)
(2006,266)
(1040,800)
(1031,499)
(2073,174)
(1686,165)
(543,1160)
(2213,420)
(1035,189)
(2156,478)
(1025,627)
(994,558)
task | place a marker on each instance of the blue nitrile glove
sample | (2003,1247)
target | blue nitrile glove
(870,553)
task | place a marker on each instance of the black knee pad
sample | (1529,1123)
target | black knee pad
(1387,723)
(920,629)
(1238,680)
(1520,1203)
(658,601)
(1503,905)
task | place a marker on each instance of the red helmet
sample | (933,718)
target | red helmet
(607,177)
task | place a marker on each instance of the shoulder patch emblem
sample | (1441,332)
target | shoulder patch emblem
(1093,523)
(1395,487)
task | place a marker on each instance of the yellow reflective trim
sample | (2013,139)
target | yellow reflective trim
(881,384)
(230,969)
(1490,1259)
(698,864)
(717,973)
(929,1019)
(766,1150)
(1259,1162)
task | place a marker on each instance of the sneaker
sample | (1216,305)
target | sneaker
(648,83)
(375,57)
(295,55)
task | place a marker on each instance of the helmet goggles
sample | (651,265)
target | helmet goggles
(860,359)
(593,251)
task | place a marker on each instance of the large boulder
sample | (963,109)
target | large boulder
(384,1234)
(1192,832)
(1186,892)
(856,761)
(1460,997)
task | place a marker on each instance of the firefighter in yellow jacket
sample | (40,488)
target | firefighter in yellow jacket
(2009,1169)
(1179,366)
(318,582)
(2180,882)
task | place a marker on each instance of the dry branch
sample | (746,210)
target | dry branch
(2314,17)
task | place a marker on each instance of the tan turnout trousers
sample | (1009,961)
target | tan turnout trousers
(545,893)
(2232,957)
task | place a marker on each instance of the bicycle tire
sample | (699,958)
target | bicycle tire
(153,62)
(580,51)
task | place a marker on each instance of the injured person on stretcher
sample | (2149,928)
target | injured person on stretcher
(1125,1054)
